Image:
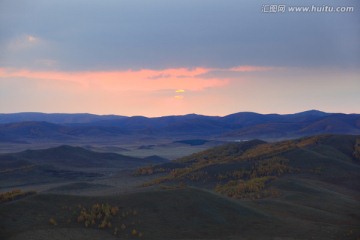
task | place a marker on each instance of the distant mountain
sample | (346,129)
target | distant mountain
(238,126)
(22,131)
(32,130)
(301,124)
(61,118)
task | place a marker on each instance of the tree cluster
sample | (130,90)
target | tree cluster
(120,221)
(97,215)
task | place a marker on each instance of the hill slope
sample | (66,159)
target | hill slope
(63,163)
(248,169)
(68,156)
(186,213)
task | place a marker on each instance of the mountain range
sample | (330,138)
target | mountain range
(20,127)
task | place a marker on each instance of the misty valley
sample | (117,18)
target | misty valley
(242,176)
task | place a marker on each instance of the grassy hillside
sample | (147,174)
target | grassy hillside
(247,169)
(185,213)
(68,156)
(63,163)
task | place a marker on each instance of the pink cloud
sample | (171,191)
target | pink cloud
(251,69)
(142,80)
(130,92)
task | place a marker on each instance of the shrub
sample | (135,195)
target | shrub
(52,221)
(14,195)
(244,189)
(97,214)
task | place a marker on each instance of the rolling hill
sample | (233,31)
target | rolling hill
(186,214)
(63,163)
(248,169)
(312,181)
(307,188)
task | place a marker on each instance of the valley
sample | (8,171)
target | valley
(186,188)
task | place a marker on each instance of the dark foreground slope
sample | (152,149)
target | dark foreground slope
(183,214)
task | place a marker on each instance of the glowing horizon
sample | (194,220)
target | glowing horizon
(179,91)
(209,57)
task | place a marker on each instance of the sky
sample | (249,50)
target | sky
(161,57)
